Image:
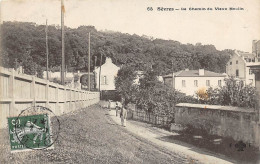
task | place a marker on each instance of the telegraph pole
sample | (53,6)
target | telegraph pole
(89,61)
(95,85)
(100,72)
(47,52)
(62,43)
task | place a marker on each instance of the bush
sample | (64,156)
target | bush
(234,93)
(124,83)
(155,97)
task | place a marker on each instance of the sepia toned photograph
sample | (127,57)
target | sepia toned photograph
(130,81)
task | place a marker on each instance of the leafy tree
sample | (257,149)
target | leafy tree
(234,93)
(157,98)
(84,81)
(141,52)
(124,83)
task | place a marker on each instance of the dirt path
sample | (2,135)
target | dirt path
(157,136)
(90,136)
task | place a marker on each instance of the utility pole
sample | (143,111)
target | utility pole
(47,52)
(100,71)
(62,43)
(16,64)
(89,61)
(95,85)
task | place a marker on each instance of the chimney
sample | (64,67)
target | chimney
(201,72)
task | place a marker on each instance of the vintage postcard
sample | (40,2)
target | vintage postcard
(130,81)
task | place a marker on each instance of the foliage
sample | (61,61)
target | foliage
(157,98)
(234,93)
(124,83)
(76,77)
(151,95)
(22,40)
(84,81)
(56,80)
(202,95)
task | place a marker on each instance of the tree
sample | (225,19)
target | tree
(141,52)
(84,81)
(234,93)
(124,83)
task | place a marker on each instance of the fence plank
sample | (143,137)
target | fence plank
(20,91)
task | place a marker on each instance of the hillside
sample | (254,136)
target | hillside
(23,44)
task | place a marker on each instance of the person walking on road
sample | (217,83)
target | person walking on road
(117,108)
(123,115)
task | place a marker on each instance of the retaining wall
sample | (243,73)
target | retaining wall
(237,123)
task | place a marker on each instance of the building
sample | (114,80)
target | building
(256,70)
(140,74)
(107,75)
(256,49)
(71,79)
(191,81)
(237,66)
(66,74)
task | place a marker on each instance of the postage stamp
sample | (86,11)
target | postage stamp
(32,129)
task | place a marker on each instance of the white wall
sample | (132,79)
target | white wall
(231,69)
(190,89)
(109,70)
(249,77)
(243,69)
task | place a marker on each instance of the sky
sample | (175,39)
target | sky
(225,29)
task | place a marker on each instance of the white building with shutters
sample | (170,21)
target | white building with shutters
(107,75)
(191,81)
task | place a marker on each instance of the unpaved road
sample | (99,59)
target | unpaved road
(90,136)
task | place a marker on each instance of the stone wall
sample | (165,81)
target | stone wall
(237,123)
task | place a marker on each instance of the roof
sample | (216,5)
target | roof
(195,73)
(246,54)
(255,66)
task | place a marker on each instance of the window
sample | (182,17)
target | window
(250,72)
(250,81)
(237,73)
(230,63)
(183,83)
(104,80)
(219,83)
(207,83)
(237,62)
(195,83)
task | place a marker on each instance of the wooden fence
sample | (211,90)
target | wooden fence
(19,91)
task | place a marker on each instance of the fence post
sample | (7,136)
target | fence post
(47,93)
(33,91)
(11,88)
(57,99)
(70,98)
(65,100)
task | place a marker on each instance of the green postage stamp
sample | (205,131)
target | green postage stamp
(31,130)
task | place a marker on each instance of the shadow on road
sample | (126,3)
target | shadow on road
(224,147)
